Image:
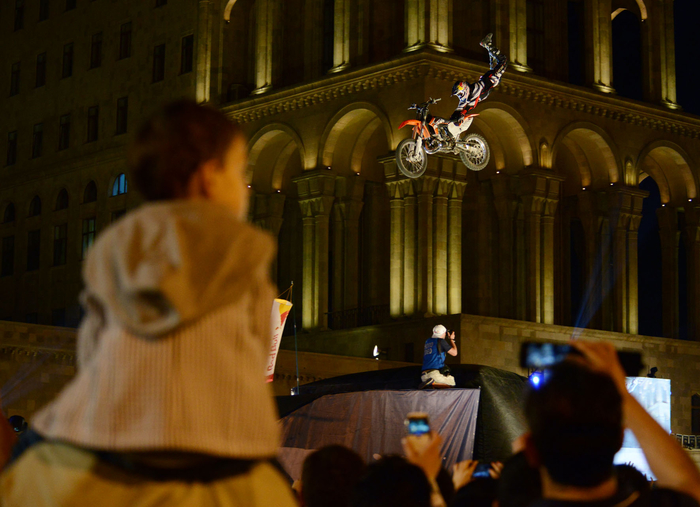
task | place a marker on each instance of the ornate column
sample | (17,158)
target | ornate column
(692,237)
(517,21)
(663,51)
(396,261)
(425,189)
(316,195)
(341,35)
(454,248)
(599,44)
(205,34)
(429,22)
(668,231)
(265,13)
(440,249)
(506,210)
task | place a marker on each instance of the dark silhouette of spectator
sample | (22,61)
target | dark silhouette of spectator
(392,482)
(576,426)
(480,492)
(329,476)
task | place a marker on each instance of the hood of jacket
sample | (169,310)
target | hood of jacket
(166,264)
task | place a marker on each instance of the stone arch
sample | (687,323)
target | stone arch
(228,5)
(61,200)
(271,160)
(667,163)
(509,136)
(350,141)
(587,156)
(629,5)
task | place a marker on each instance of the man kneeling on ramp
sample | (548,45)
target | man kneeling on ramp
(434,370)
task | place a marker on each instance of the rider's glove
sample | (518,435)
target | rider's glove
(456,116)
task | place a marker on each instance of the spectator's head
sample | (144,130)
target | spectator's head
(477,493)
(392,482)
(575,420)
(519,484)
(630,479)
(329,476)
(187,150)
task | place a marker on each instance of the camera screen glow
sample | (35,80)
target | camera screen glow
(418,427)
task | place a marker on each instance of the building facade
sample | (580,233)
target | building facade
(586,216)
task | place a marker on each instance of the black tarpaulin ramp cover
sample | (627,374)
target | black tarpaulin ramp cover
(499,419)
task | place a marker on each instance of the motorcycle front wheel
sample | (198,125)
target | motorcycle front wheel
(474,152)
(412,161)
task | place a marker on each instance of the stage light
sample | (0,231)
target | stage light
(584,188)
(663,204)
(498,172)
(536,378)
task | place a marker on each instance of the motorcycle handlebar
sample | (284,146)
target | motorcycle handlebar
(413,106)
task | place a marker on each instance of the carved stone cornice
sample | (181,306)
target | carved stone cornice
(426,64)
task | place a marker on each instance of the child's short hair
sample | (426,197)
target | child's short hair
(173,143)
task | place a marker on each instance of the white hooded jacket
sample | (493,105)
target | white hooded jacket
(172,349)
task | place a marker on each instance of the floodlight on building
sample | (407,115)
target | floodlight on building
(498,172)
(584,188)
(375,353)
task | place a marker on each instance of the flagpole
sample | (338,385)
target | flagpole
(294,319)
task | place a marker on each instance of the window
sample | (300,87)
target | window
(35,207)
(159,63)
(88,235)
(11,148)
(695,414)
(38,140)
(60,243)
(187,55)
(8,256)
(96,51)
(58,317)
(161,3)
(40,70)
(125,40)
(119,186)
(64,132)
(9,215)
(62,200)
(116,215)
(92,123)
(14,79)
(33,249)
(19,14)
(70,5)
(90,193)
(67,60)
(43,10)
(122,114)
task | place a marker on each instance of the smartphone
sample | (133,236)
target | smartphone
(482,471)
(545,355)
(418,429)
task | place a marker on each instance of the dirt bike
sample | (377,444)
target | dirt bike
(430,135)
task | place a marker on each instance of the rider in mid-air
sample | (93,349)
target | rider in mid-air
(470,94)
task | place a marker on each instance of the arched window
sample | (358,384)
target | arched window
(9,215)
(62,200)
(35,207)
(119,186)
(627,55)
(90,194)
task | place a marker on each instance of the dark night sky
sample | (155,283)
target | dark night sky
(687,14)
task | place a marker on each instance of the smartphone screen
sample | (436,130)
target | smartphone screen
(417,426)
(543,355)
(482,471)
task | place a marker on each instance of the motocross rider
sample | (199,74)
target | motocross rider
(470,94)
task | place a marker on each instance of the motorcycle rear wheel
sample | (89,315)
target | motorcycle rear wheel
(475,152)
(412,161)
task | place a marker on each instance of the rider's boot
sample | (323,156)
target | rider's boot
(487,41)
(495,56)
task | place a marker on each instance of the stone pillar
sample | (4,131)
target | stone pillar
(425,190)
(349,192)
(540,196)
(454,248)
(205,34)
(265,11)
(692,243)
(440,248)
(341,35)
(410,250)
(428,22)
(506,209)
(668,231)
(663,51)
(396,248)
(517,21)
(316,196)
(599,44)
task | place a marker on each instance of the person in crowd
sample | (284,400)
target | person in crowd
(7,439)
(393,482)
(575,424)
(329,476)
(169,405)
(434,370)
(475,491)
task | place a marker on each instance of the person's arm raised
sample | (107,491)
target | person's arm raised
(451,341)
(670,463)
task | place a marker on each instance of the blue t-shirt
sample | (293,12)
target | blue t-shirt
(434,353)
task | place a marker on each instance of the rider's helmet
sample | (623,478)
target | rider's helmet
(460,89)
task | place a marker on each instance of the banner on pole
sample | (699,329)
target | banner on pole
(280,311)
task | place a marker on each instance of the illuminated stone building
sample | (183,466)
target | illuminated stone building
(590,151)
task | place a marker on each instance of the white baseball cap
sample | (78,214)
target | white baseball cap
(439,331)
